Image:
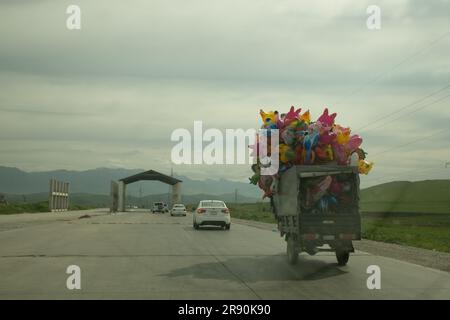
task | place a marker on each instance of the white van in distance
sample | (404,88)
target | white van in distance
(178,210)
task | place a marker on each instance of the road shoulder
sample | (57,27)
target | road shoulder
(423,257)
(23,220)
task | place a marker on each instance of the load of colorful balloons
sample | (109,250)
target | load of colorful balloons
(306,142)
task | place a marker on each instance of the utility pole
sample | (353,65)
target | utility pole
(140,196)
(169,200)
(235,195)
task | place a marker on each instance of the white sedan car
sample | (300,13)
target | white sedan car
(212,212)
(178,210)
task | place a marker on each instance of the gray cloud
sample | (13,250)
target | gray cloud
(112,93)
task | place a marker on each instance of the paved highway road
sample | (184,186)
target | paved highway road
(138,255)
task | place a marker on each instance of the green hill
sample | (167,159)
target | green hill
(429,196)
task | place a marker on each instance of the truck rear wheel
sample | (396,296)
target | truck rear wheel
(342,258)
(292,251)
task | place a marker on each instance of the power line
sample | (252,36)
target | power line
(382,74)
(427,159)
(420,170)
(411,142)
(412,112)
(403,108)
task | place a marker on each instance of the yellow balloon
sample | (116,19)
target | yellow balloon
(342,134)
(365,166)
(306,117)
(268,117)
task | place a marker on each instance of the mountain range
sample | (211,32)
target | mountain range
(98,181)
(91,188)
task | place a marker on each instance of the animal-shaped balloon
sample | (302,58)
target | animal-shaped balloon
(257,174)
(323,205)
(309,142)
(264,184)
(339,154)
(318,127)
(365,166)
(299,128)
(291,116)
(324,153)
(327,119)
(306,117)
(286,153)
(336,187)
(329,153)
(342,134)
(321,188)
(353,144)
(288,135)
(270,119)
(268,184)
(319,153)
(327,137)
(327,202)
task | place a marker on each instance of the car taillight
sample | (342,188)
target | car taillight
(347,236)
(201,210)
(226,211)
(310,236)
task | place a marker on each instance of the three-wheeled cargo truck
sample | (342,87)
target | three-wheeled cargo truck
(310,224)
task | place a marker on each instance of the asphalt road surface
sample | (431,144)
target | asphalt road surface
(138,255)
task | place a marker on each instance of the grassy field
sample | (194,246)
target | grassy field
(430,196)
(14,208)
(35,207)
(406,207)
(253,211)
(428,231)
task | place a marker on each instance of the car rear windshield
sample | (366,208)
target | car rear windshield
(212,204)
(178,206)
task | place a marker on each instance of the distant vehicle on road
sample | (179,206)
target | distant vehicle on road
(178,210)
(212,212)
(160,207)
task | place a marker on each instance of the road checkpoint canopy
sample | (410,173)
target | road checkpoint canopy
(118,188)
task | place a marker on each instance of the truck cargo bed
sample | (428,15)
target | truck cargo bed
(307,228)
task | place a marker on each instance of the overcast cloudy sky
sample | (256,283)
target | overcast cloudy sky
(110,94)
